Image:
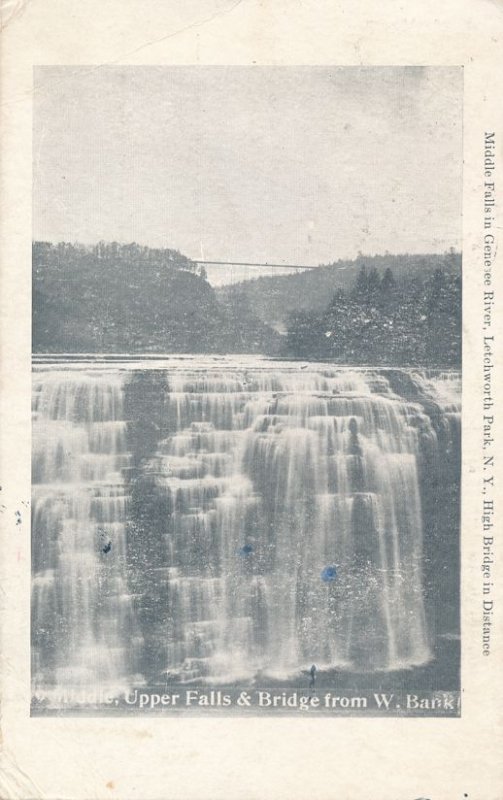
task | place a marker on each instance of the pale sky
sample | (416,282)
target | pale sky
(280,164)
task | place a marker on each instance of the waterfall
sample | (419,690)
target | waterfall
(82,615)
(284,500)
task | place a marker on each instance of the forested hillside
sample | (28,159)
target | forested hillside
(273,297)
(131,299)
(381,321)
(113,298)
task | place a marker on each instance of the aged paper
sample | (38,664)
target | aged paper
(250,371)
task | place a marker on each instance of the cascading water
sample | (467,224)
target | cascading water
(291,529)
(82,620)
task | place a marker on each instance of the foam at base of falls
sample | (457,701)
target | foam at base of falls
(266,473)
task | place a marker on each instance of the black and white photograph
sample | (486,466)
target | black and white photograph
(246,424)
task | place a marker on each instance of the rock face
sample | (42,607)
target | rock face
(222,517)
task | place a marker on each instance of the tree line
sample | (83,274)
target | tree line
(274,297)
(64,253)
(129,298)
(382,320)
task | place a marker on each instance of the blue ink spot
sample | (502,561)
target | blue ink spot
(329,574)
(246,550)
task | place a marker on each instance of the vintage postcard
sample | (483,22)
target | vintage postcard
(246,473)
(252,300)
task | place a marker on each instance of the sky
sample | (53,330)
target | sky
(295,165)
